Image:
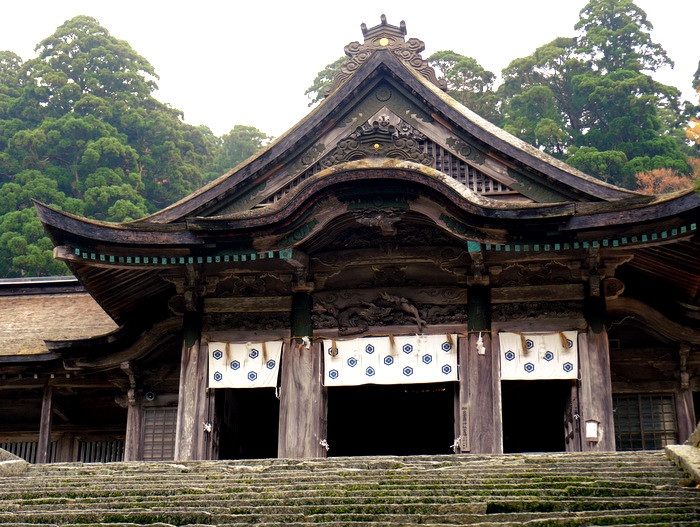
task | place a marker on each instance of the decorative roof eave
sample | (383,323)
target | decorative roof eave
(372,169)
(566,217)
(672,205)
(672,330)
(62,225)
(111,350)
(25,359)
(575,215)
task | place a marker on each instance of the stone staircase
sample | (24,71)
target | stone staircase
(623,489)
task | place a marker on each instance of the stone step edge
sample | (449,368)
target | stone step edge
(476,510)
(627,502)
(686,457)
(345,517)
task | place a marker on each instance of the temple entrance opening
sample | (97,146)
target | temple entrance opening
(396,419)
(249,421)
(534,415)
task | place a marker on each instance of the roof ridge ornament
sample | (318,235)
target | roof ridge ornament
(391,38)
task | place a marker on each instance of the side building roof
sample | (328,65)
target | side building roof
(34,310)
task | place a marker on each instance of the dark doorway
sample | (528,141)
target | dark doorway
(401,419)
(248,423)
(533,415)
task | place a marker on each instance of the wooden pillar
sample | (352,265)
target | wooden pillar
(190,441)
(133,447)
(303,398)
(480,399)
(685,407)
(42,451)
(596,386)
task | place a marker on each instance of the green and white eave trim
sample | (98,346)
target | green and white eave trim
(233,257)
(286,254)
(622,241)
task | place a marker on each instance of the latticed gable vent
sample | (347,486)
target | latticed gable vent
(457,168)
(315,169)
(425,151)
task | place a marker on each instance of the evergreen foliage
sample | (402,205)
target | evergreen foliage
(80,130)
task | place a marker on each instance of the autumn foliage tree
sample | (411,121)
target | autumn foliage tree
(662,180)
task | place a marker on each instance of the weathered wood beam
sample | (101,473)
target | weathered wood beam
(600,215)
(28,383)
(67,254)
(58,411)
(656,320)
(441,329)
(143,234)
(343,298)
(146,343)
(261,304)
(541,293)
(42,452)
(644,386)
(334,262)
(539,324)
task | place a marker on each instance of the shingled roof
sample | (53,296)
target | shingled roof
(35,310)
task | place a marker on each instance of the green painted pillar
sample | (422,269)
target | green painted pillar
(302,303)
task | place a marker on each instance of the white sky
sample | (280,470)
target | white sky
(233,62)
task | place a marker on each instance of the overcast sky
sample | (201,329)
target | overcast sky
(228,62)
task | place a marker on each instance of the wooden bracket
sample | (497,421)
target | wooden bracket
(479,273)
(300,262)
(684,353)
(129,369)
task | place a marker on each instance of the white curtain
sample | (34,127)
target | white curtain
(382,360)
(539,355)
(244,365)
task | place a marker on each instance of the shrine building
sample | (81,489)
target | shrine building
(393,275)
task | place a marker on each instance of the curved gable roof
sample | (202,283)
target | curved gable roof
(439,106)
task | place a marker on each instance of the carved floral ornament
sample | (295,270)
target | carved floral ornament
(391,38)
(386,136)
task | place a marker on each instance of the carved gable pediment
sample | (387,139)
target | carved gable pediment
(386,102)
(386,125)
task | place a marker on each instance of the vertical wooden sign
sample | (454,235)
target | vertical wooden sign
(464,429)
